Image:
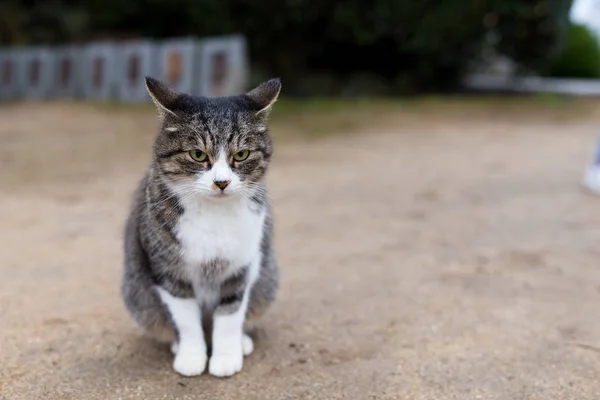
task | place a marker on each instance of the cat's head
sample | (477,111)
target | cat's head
(216,148)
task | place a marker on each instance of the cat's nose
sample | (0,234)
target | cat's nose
(222,184)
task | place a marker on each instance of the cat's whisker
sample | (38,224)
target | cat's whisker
(177,194)
(253,189)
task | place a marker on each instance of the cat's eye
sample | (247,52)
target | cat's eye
(241,155)
(198,155)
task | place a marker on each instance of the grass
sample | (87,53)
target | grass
(321,116)
(318,117)
(286,108)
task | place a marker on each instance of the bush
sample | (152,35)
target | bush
(580,57)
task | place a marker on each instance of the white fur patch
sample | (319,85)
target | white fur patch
(190,356)
(218,229)
(171,129)
(221,171)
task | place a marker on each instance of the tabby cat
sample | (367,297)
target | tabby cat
(198,241)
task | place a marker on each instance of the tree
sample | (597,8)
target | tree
(580,57)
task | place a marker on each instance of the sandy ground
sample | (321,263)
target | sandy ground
(447,255)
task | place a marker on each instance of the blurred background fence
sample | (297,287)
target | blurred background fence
(115,69)
(331,47)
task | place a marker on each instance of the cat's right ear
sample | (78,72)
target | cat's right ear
(162,95)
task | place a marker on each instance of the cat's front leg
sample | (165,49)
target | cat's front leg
(190,352)
(229,342)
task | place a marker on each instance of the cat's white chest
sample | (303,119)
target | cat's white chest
(231,232)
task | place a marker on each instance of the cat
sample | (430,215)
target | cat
(198,241)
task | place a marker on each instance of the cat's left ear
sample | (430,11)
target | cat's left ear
(162,95)
(265,95)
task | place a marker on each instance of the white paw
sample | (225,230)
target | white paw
(190,363)
(174,347)
(223,365)
(247,345)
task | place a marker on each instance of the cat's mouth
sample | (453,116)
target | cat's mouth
(221,195)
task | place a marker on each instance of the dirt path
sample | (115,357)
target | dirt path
(445,257)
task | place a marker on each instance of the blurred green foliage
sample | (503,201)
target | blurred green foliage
(326,47)
(580,57)
(25,22)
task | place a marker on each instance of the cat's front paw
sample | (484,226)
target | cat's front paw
(190,363)
(247,345)
(224,365)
